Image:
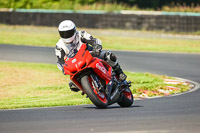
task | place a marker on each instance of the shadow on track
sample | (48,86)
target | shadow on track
(114,107)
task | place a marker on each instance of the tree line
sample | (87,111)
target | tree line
(143,4)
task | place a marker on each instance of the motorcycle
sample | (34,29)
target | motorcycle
(95,78)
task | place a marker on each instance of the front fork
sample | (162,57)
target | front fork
(96,82)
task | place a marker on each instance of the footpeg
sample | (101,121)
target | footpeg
(129,83)
(124,85)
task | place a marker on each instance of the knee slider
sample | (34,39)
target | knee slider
(111,56)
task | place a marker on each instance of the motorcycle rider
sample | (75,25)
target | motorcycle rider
(71,41)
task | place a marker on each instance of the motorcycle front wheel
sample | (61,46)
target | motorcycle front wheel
(97,97)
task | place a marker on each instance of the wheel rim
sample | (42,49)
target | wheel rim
(101,96)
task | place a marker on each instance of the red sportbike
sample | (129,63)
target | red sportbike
(95,78)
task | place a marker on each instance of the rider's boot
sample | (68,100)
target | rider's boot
(112,61)
(122,76)
(73,87)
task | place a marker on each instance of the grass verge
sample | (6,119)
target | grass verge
(27,85)
(111,39)
(106,5)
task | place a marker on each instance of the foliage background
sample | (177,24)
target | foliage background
(100,4)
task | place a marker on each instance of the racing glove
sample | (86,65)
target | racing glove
(96,50)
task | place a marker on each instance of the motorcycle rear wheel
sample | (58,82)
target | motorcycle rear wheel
(98,98)
(127,98)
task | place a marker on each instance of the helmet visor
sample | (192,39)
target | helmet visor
(68,33)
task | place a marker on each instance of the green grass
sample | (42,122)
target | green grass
(152,83)
(153,44)
(27,85)
(97,5)
(111,38)
(28,35)
(24,85)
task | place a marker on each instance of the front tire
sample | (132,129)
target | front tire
(97,97)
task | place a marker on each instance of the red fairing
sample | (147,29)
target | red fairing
(83,60)
(75,64)
(102,69)
(87,73)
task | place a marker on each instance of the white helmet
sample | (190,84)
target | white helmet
(67,31)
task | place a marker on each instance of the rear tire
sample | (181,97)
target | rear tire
(99,99)
(127,98)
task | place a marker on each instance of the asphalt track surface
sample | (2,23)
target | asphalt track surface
(177,114)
